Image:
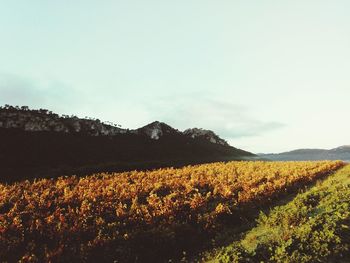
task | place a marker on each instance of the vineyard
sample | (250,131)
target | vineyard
(139,216)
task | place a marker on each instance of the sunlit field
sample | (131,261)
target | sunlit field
(140,216)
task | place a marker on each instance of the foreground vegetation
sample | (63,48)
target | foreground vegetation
(314,227)
(148,216)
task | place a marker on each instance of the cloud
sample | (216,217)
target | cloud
(228,119)
(24,91)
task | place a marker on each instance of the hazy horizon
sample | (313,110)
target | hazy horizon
(266,76)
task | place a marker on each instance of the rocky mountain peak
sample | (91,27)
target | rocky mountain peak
(205,134)
(156,129)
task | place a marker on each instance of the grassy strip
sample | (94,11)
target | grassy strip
(313,227)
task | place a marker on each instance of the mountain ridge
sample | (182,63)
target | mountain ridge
(44,120)
(39,143)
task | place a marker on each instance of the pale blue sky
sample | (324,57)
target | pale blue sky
(268,76)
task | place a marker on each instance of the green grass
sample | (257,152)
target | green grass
(313,227)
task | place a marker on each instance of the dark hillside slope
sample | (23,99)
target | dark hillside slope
(50,152)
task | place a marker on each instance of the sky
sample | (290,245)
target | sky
(267,76)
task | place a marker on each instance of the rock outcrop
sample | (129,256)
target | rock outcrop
(43,120)
(156,129)
(205,134)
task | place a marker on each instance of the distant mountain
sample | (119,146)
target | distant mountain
(39,143)
(339,153)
